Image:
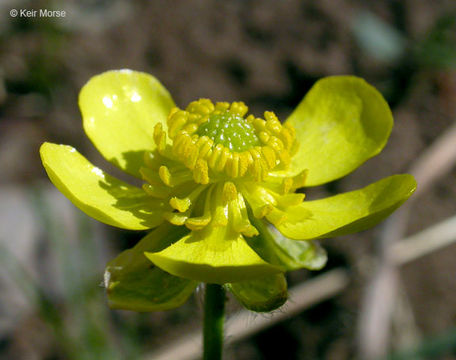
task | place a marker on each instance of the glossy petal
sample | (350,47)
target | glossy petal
(341,122)
(119,111)
(213,255)
(98,194)
(133,283)
(263,294)
(276,249)
(348,212)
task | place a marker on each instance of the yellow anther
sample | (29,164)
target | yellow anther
(204,144)
(206,106)
(259,124)
(176,123)
(178,219)
(221,107)
(250,118)
(272,123)
(165,175)
(201,172)
(188,151)
(198,135)
(192,157)
(290,128)
(197,223)
(172,112)
(200,141)
(286,138)
(232,165)
(159,137)
(238,108)
(245,159)
(269,156)
(229,192)
(264,137)
(179,140)
(191,128)
(270,116)
(275,143)
(180,205)
(194,118)
(225,154)
(213,159)
(181,144)
(257,170)
(255,152)
(193,106)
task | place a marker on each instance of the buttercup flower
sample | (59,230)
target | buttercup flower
(219,185)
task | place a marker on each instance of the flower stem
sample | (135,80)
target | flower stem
(214,316)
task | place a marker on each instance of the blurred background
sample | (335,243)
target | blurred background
(392,300)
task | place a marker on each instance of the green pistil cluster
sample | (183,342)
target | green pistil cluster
(230,130)
(217,140)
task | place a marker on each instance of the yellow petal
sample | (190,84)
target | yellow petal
(99,195)
(341,122)
(120,110)
(348,212)
(213,255)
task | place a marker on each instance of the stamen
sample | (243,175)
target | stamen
(220,213)
(240,219)
(199,222)
(229,192)
(201,173)
(165,175)
(180,205)
(176,218)
(160,138)
(184,204)
(218,140)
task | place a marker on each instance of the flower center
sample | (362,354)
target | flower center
(216,141)
(230,130)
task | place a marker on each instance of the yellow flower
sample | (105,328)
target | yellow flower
(219,185)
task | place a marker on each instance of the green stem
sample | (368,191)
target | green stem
(214,316)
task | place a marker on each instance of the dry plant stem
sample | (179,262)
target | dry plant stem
(375,318)
(214,316)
